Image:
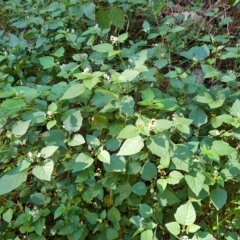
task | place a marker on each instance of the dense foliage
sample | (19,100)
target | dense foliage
(119,119)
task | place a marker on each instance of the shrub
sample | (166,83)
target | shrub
(105,131)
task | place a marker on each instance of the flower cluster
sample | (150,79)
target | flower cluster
(113,39)
(106,77)
(86,70)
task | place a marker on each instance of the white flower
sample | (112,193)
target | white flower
(152,124)
(38,155)
(96,26)
(29,154)
(86,70)
(113,39)
(73,31)
(62,66)
(107,77)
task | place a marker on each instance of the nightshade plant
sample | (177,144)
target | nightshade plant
(105,132)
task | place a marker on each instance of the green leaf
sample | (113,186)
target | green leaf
(48,151)
(185,214)
(91,217)
(39,226)
(162,184)
(44,170)
(104,156)
(99,122)
(209,71)
(198,116)
(145,210)
(37,198)
(139,188)
(12,180)
(47,62)
(193,228)
(83,161)
(21,128)
(59,52)
(147,234)
(111,234)
(159,146)
(126,105)
(235,109)
(131,146)
(167,198)
(73,122)
(103,47)
(129,75)
(195,180)
(54,138)
(218,197)
(89,11)
(113,215)
(149,171)
(117,164)
(173,228)
(12,106)
(222,148)
(128,131)
(102,19)
(7,216)
(174,177)
(59,211)
(77,140)
(74,91)
(117,17)
(123,37)
(177,29)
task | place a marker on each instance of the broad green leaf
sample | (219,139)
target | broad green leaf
(102,19)
(7,216)
(193,228)
(21,128)
(218,197)
(83,161)
(147,234)
(73,122)
(195,180)
(92,141)
(177,29)
(48,151)
(128,131)
(103,47)
(159,146)
(37,198)
(163,124)
(111,234)
(124,190)
(12,106)
(39,226)
(174,177)
(59,52)
(117,17)
(197,53)
(123,37)
(89,11)
(167,198)
(90,83)
(209,71)
(145,210)
(12,180)
(129,75)
(139,188)
(117,164)
(43,171)
(67,229)
(74,91)
(235,109)
(203,236)
(222,148)
(198,116)
(54,138)
(162,184)
(149,171)
(164,105)
(47,62)
(148,94)
(185,214)
(126,105)
(131,146)
(91,217)
(173,228)
(60,211)
(99,122)
(77,140)
(104,156)
(113,215)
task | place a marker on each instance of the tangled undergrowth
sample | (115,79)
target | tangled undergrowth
(119,119)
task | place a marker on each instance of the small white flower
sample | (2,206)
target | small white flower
(113,39)
(141,221)
(62,66)
(86,70)
(38,155)
(107,77)
(152,124)
(96,26)
(5,53)
(29,154)
(72,31)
